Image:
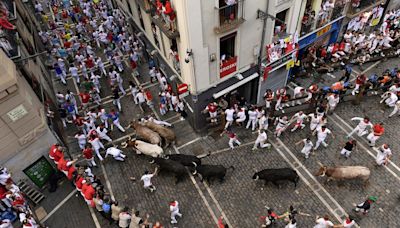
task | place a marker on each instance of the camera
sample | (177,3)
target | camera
(187,56)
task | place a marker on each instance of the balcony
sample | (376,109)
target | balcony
(358,6)
(164,17)
(165,27)
(9,40)
(230,16)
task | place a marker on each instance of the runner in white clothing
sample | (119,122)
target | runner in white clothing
(333,101)
(299,118)
(102,133)
(384,154)
(314,120)
(81,139)
(252,119)
(361,128)
(241,116)
(96,145)
(116,153)
(322,133)
(261,140)
(229,117)
(174,209)
(307,147)
(146,178)
(281,125)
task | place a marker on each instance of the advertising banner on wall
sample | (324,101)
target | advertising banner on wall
(228,67)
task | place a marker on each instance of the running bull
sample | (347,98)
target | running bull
(275,175)
(211,171)
(171,166)
(186,160)
(143,147)
(145,133)
(344,173)
(167,134)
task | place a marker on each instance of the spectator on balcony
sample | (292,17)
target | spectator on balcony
(355,3)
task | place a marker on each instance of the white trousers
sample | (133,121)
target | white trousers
(261,143)
(118,125)
(232,141)
(253,123)
(319,142)
(360,132)
(306,151)
(345,152)
(372,138)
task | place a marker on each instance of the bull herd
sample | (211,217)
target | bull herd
(153,136)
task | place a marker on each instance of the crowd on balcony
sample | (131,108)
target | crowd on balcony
(357,46)
(167,13)
(13,204)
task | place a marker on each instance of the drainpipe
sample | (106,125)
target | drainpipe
(262,39)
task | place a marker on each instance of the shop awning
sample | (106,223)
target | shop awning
(234,86)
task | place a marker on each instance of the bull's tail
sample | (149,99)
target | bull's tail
(296,180)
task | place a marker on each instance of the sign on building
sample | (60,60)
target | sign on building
(228,67)
(39,172)
(17,113)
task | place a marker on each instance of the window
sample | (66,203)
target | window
(280,24)
(228,11)
(227,46)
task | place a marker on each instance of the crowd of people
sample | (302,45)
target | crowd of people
(90,42)
(13,204)
(356,45)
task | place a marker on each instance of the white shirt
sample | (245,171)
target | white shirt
(348,225)
(252,115)
(229,114)
(297,90)
(113,151)
(314,120)
(147,180)
(140,97)
(74,71)
(174,208)
(262,137)
(362,125)
(308,145)
(322,223)
(332,100)
(323,134)
(241,115)
(81,138)
(101,133)
(299,117)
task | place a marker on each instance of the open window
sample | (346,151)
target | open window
(227,54)
(280,24)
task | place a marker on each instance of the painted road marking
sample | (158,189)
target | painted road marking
(59,205)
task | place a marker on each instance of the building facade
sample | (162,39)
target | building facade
(214,46)
(26,92)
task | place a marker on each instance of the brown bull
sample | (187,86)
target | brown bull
(167,134)
(345,173)
(145,133)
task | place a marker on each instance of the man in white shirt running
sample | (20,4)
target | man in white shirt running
(322,133)
(229,117)
(261,140)
(361,128)
(308,145)
(146,178)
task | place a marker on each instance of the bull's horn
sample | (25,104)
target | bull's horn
(195,172)
(195,164)
(124,145)
(152,161)
(320,164)
(129,138)
(128,126)
(257,177)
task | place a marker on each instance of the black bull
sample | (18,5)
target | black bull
(211,171)
(275,175)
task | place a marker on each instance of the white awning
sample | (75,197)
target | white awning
(234,86)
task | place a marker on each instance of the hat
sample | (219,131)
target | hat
(373,198)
